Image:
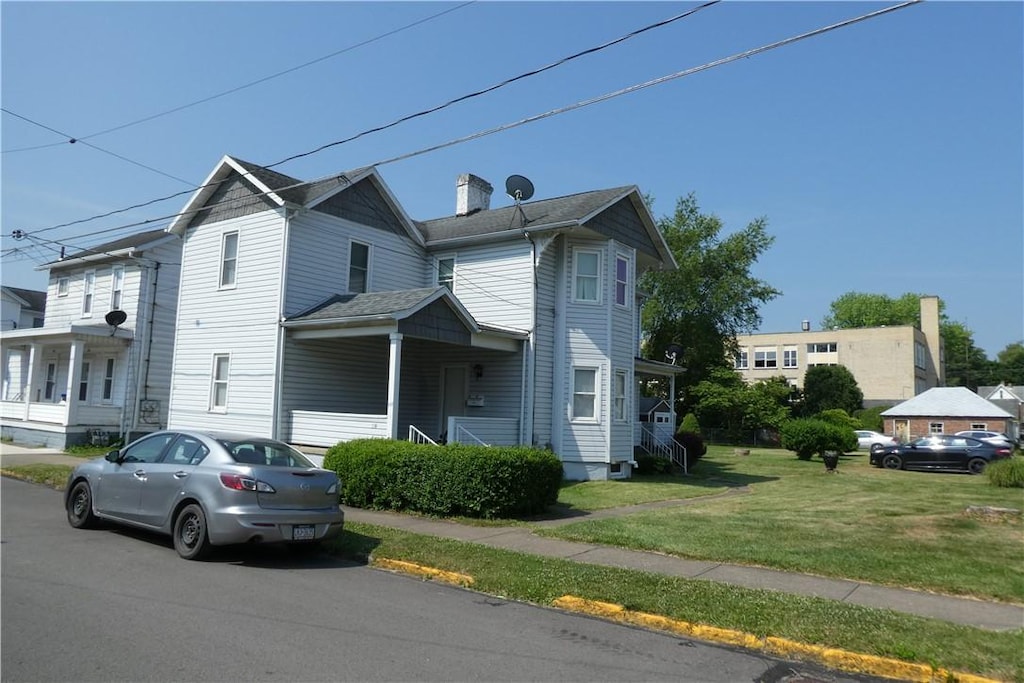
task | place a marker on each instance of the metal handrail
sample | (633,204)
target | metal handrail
(417,436)
(460,431)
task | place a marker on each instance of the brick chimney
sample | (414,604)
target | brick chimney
(472,194)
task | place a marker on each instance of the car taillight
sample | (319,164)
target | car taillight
(1003,451)
(239,482)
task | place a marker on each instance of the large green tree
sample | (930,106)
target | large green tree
(725,401)
(710,298)
(1009,365)
(827,387)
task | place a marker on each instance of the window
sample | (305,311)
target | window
(88,292)
(765,358)
(586,278)
(83,382)
(446,272)
(228,260)
(789,357)
(920,356)
(51,381)
(621,280)
(219,383)
(979,425)
(63,286)
(934,427)
(822,347)
(108,380)
(619,392)
(116,287)
(186,450)
(148,450)
(742,360)
(358,267)
(584,394)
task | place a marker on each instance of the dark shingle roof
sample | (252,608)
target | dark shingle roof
(544,212)
(299,191)
(36,300)
(369,304)
(136,240)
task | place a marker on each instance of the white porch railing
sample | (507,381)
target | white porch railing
(417,436)
(484,431)
(47,412)
(656,443)
(314,428)
(99,416)
(463,435)
(56,413)
(12,410)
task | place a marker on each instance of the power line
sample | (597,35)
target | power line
(515,124)
(245,85)
(71,139)
(478,93)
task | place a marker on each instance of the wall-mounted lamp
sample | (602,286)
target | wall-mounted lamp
(478,370)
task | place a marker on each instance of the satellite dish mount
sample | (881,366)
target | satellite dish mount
(520,189)
(115,319)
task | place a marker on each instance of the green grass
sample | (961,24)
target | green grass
(600,495)
(890,527)
(540,580)
(54,476)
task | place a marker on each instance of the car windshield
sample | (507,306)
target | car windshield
(265,452)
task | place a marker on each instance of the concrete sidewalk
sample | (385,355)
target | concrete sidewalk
(967,611)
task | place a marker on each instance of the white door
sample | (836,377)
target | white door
(663,427)
(453,395)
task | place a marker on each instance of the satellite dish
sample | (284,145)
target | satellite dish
(673,352)
(518,188)
(115,318)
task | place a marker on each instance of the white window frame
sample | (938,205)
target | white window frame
(935,428)
(979,426)
(790,357)
(595,395)
(216,382)
(620,396)
(83,383)
(116,287)
(446,282)
(88,293)
(769,358)
(576,253)
(742,359)
(352,266)
(228,261)
(109,369)
(63,286)
(50,383)
(623,286)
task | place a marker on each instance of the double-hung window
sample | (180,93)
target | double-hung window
(358,267)
(742,359)
(229,260)
(621,406)
(108,380)
(51,381)
(621,280)
(88,292)
(219,382)
(63,286)
(586,275)
(446,272)
(116,287)
(584,394)
(83,382)
(789,357)
(765,358)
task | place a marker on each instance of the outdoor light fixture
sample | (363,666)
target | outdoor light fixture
(478,370)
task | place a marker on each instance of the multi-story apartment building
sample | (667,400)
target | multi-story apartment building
(890,364)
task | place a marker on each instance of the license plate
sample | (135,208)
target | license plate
(303,532)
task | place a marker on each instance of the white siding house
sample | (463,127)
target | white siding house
(98,367)
(320,312)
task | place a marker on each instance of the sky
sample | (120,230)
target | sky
(886,156)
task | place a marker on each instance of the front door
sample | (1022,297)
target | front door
(453,395)
(902,429)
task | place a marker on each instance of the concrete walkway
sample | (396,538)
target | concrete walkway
(983,614)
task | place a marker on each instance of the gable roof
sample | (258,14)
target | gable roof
(947,402)
(1002,392)
(30,299)
(121,247)
(368,307)
(569,211)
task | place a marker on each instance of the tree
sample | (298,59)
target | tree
(1009,365)
(710,298)
(830,386)
(725,401)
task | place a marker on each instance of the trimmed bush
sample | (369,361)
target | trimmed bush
(689,424)
(839,417)
(808,436)
(1008,473)
(452,480)
(694,445)
(652,464)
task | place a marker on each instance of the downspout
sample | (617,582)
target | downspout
(275,418)
(142,386)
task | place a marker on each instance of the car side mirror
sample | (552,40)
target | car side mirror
(113,456)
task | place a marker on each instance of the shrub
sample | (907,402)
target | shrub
(871,418)
(1008,473)
(652,464)
(838,417)
(808,436)
(689,424)
(452,480)
(694,445)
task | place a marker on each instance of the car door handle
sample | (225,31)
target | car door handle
(139,474)
(180,474)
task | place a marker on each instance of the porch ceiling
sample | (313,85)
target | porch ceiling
(67,333)
(653,368)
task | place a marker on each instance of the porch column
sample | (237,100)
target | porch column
(7,378)
(74,377)
(35,355)
(394,377)
(672,399)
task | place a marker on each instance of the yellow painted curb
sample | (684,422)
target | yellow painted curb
(831,657)
(420,570)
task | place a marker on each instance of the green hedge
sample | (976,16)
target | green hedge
(451,480)
(808,436)
(1008,473)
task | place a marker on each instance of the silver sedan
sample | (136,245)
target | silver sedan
(206,489)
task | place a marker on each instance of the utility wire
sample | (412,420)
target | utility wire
(72,140)
(537,117)
(411,116)
(244,85)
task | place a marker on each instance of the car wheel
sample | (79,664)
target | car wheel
(190,537)
(875,447)
(892,462)
(976,465)
(80,514)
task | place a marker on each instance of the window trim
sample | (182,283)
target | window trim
(215,407)
(595,395)
(935,428)
(454,258)
(88,293)
(83,382)
(50,382)
(625,284)
(979,426)
(225,259)
(351,266)
(786,351)
(774,359)
(109,372)
(116,287)
(576,252)
(63,286)
(741,360)
(620,403)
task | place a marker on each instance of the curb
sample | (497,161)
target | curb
(420,570)
(831,657)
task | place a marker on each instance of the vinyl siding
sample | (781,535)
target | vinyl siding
(242,321)
(544,389)
(622,353)
(67,310)
(495,283)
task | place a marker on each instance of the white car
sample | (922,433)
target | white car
(873,440)
(994,438)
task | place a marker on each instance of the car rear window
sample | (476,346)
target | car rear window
(265,452)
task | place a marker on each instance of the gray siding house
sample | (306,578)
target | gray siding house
(78,378)
(321,312)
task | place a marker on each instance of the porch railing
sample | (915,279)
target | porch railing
(417,436)
(664,447)
(486,431)
(463,435)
